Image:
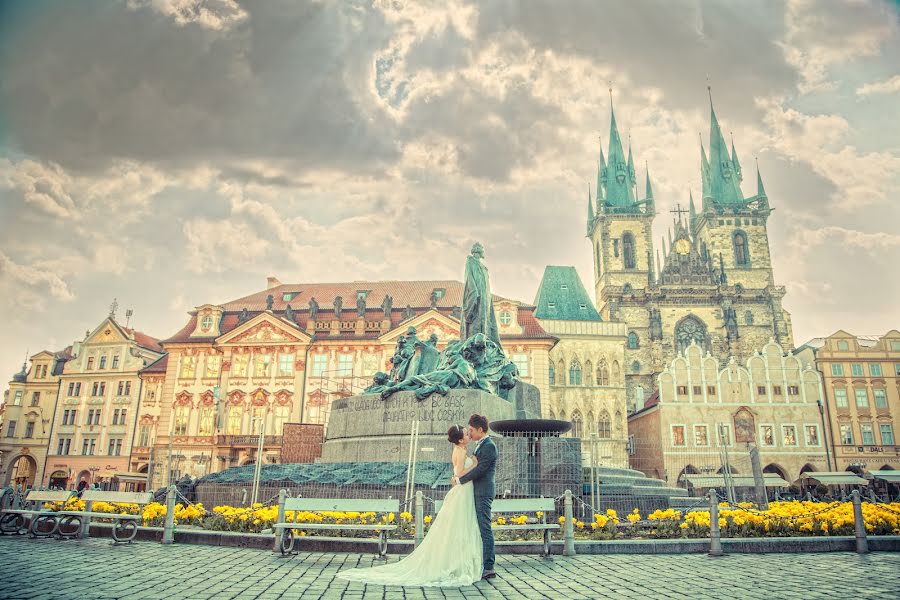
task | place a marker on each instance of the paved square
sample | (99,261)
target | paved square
(92,569)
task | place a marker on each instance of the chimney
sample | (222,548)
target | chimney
(272,282)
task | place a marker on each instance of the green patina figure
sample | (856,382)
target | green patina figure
(478,303)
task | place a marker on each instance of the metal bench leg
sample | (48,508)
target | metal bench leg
(287,542)
(37,521)
(62,529)
(124,531)
(12,523)
(382,545)
(545,551)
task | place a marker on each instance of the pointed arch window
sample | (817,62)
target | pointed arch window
(577,424)
(690,329)
(628,250)
(633,341)
(741,251)
(604,426)
(575,372)
(552,374)
(602,373)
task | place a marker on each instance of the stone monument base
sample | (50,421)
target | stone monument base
(365,428)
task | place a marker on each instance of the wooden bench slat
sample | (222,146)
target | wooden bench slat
(349,505)
(117,497)
(75,513)
(515,505)
(335,526)
(48,496)
(532,527)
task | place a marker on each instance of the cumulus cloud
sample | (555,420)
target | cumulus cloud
(219,246)
(44,186)
(210,14)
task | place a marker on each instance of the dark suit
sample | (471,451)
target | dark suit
(482,478)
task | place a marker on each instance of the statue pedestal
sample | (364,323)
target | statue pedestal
(365,428)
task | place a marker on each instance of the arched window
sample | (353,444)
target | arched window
(602,372)
(639,397)
(577,424)
(636,367)
(628,250)
(575,372)
(627,289)
(633,342)
(690,329)
(604,426)
(552,374)
(741,252)
(748,317)
(588,369)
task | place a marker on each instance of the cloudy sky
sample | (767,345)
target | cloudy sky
(170,153)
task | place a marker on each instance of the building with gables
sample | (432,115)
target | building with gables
(586,381)
(712,284)
(283,354)
(96,409)
(25,418)
(702,409)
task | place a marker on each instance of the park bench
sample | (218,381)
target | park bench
(523,506)
(77,523)
(284,535)
(14,520)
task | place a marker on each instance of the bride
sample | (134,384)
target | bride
(450,555)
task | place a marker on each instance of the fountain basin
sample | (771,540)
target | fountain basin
(531,427)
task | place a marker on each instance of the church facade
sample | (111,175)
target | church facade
(710,283)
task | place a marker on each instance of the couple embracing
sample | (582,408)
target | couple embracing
(459,547)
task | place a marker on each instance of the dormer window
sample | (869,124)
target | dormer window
(439,293)
(505,318)
(206,323)
(564,287)
(582,306)
(362,294)
(551,305)
(288,296)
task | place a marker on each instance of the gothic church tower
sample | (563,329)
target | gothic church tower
(711,285)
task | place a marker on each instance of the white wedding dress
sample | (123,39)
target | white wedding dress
(449,556)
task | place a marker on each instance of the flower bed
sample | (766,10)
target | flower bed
(782,519)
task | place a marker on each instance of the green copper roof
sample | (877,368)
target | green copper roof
(618,179)
(724,185)
(590,215)
(760,190)
(562,297)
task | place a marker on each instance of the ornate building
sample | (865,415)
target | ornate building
(862,388)
(26,416)
(283,354)
(587,385)
(94,419)
(700,408)
(712,284)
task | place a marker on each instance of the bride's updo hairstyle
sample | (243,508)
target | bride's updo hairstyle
(455,434)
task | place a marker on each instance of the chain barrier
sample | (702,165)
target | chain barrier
(882,506)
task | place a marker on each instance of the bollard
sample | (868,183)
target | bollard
(169,526)
(420,518)
(279,531)
(85,531)
(859,524)
(715,539)
(569,534)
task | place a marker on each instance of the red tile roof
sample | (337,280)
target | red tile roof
(143,340)
(157,366)
(416,294)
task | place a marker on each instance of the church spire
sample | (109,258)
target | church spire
(601,176)
(619,192)
(693,212)
(760,190)
(735,161)
(648,192)
(724,188)
(590,213)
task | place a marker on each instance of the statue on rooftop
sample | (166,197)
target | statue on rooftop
(313,310)
(386,306)
(338,306)
(361,306)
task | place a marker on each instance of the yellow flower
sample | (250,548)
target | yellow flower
(427,519)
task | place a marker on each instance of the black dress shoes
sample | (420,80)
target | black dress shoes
(489,574)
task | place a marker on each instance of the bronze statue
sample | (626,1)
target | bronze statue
(313,310)
(380,382)
(270,301)
(361,306)
(386,305)
(478,304)
(338,306)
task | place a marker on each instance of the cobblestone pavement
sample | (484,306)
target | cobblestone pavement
(45,569)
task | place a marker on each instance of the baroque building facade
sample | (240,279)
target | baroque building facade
(585,377)
(283,354)
(94,419)
(862,390)
(701,409)
(711,283)
(26,416)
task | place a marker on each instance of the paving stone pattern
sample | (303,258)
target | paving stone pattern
(90,569)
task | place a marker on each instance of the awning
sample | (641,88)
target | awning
(891,476)
(129,476)
(835,477)
(718,481)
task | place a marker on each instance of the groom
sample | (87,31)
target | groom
(482,478)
